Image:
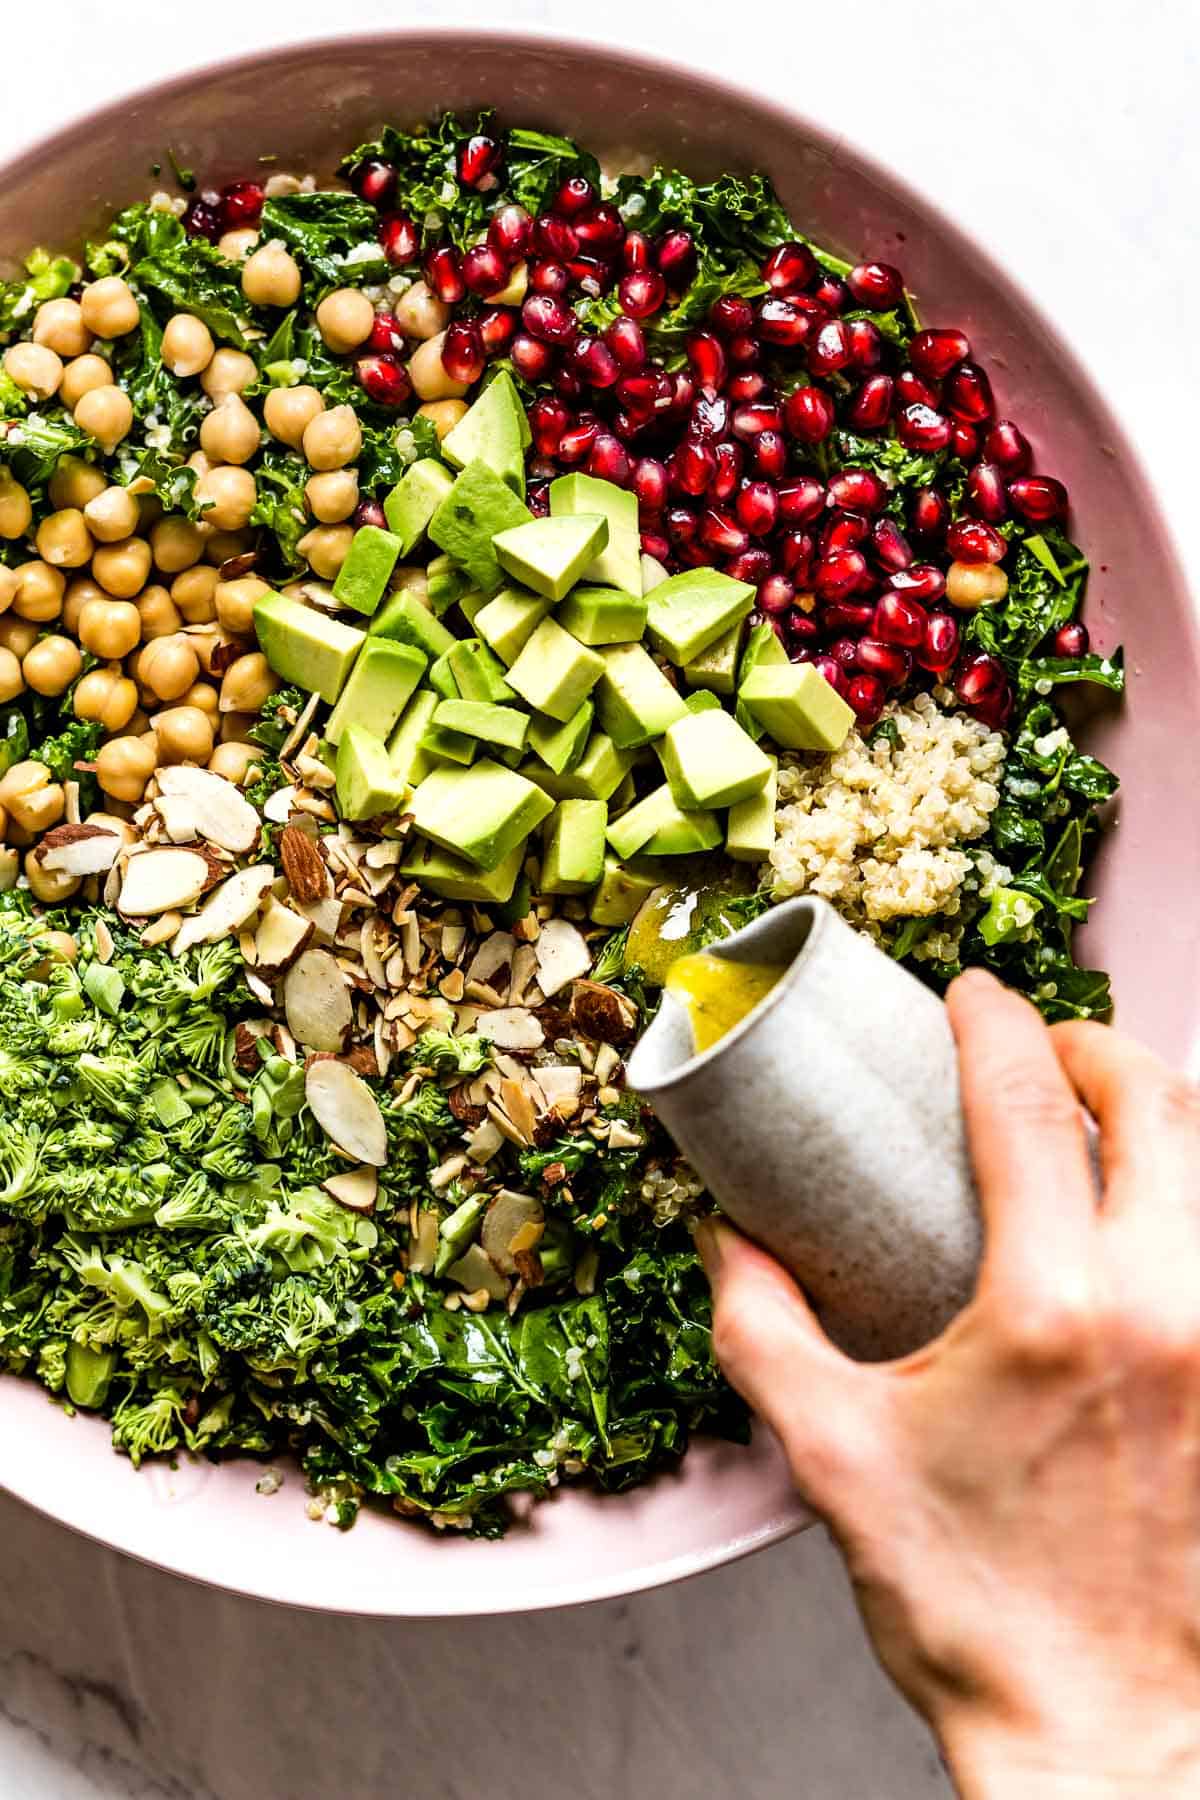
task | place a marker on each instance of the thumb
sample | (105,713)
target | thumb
(772,1348)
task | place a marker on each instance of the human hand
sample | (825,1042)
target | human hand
(1019,1502)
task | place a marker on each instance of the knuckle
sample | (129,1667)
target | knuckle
(735,1335)
(1052,1330)
(1033,1101)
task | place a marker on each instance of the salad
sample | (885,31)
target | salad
(428,605)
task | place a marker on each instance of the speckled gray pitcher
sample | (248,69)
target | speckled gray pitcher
(827,1124)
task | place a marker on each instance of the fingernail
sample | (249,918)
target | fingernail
(708,1236)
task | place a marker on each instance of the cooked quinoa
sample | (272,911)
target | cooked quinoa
(878,830)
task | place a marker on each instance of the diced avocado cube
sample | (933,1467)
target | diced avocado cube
(410,763)
(508,621)
(636,827)
(304,646)
(685,834)
(602,615)
(480,813)
(471,604)
(762,647)
(690,611)
(635,701)
(492,431)
(502,725)
(797,706)
(596,776)
(441,678)
(561,746)
(549,555)
(620,562)
(479,674)
(716,668)
(445,584)
(555,672)
(702,700)
(478,507)
(456,879)
(624,887)
(379,687)
(573,859)
(709,760)
(750,827)
(364,575)
(443,746)
(653,573)
(366,782)
(414,500)
(406,618)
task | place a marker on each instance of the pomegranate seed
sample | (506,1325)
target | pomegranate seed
(851,617)
(548,319)
(386,334)
(202,220)
(624,339)
(682,523)
(368,512)
(641,293)
(866,696)
(443,272)
(929,515)
(796,553)
(484,270)
(747,422)
(745,352)
(757,508)
(1072,640)
(858,489)
(801,499)
(497,325)
(374,180)
(656,545)
(644,394)
(478,161)
(911,390)
(575,444)
(830,349)
(637,253)
(968,394)
(889,546)
(706,354)
(982,687)
(809,414)
(749,385)
(650,483)
(508,232)
(776,594)
(934,353)
(542,468)
(841,650)
(919,581)
(384,379)
(731,315)
(831,293)
(241,204)
(938,648)
(548,419)
(985,492)
(887,662)
(971,541)
(594,362)
(601,229)
(770,454)
(710,414)
(840,574)
(574,196)
(567,384)
(399,239)
(695,464)
(720,532)
(531,358)
(921,428)
(866,344)
(463,355)
(871,404)
(537,499)
(553,238)
(964,441)
(1038,497)
(752,566)
(898,621)
(844,531)
(876,285)
(782,322)
(548,278)
(831,671)
(788,268)
(724,484)
(1008,448)
(609,460)
(801,629)
(677,258)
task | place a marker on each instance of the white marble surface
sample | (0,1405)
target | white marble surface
(1066,132)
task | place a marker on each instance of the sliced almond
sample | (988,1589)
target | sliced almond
(357,1189)
(303,865)
(78,850)
(326,916)
(277,807)
(495,953)
(484,1142)
(161,880)
(282,935)
(517,1101)
(222,812)
(317,1002)
(423,1243)
(475,1270)
(177,816)
(561,1084)
(345,1108)
(562,955)
(507,1227)
(227,907)
(512,1027)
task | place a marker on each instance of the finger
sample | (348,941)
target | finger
(772,1348)
(1025,1132)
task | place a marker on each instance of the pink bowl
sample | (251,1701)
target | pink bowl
(306,104)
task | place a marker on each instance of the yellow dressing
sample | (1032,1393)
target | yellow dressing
(718,993)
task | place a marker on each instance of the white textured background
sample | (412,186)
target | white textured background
(1066,134)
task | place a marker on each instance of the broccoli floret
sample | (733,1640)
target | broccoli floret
(150,1427)
(447,1054)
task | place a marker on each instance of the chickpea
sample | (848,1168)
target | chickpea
(198,461)
(79,591)
(16,512)
(107,696)
(345,319)
(175,544)
(419,312)
(236,245)
(110,629)
(228,495)
(333,438)
(971,585)
(150,511)
(10,866)
(76,483)
(236,762)
(235,604)
(18,635)
(237,726)
(158,613)
(444,415)
(63,539)
(8,587)
(187,345)
(333,496)
(247,683)
(202,695)
(108,307)
(36,369)
(105,413)
(185,734)
(194,593)
(122,569)
(428,375)
(50,886)
(52,665)
(326,548)
(271,277)
(12,682)
(213,647)
(168,666)
(31,797)
(59,325)
(229,372)
(290,411)
(123,767)
(280,184)
(82,375)
(230,433)
(40,591)
(60,947)
(220,546)
(112,514)
(138,726)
